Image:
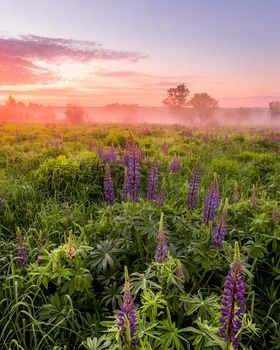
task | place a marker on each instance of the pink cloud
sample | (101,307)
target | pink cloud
(18,54)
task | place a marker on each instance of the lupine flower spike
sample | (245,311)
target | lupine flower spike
(275,214)
(181,276)
(220,229)
(212,202)
(161,249)
(233,301)
(253,197)
(175,165)
(127,316)
(22,250)
(235,193)
(134,174)
(153,181)
(165,148)
(125,186)
(70,252)
(108,187)
(193,187)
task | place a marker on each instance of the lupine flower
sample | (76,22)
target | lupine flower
(134,174)
(108,187)
(233,301)
(125,186)
(165,148)
(22,250)
(161,248)
(90,146)
(127,316)
(253,198)
(212,202)
(161,197)
(153,181)
(235,193)
(275,214)
(111,156)
(220,229)
(181,276)
(175,165)
(193,187)
(70,252)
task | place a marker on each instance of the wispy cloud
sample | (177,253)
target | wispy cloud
(18,56)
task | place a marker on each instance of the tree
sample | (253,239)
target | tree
(203,104)
(74,113)
(177,97)
(274,108)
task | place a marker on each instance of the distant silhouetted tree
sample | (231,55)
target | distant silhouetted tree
(274,109)
(177,97)
(204,104)
(74,113)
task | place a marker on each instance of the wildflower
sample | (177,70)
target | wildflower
(134,174)
(275,214)
(125,186)
(193,187)
(253,197)
(165,148)
(127,316)
(70,250)
(108,187)
(233,302)
(235,194)
(220,229)
(161,248)
(212,202)
(161,197)
(111,156)
(22,250)
(175,165)
(181,276)
(153,181)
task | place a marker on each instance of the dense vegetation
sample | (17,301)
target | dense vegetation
(64,243)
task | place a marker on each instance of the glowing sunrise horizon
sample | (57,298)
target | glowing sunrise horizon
(96,53)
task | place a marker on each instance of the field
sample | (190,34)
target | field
(148,220)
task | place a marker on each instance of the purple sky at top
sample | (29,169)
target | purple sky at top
(229,49)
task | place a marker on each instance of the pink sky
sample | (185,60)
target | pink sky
(132,53)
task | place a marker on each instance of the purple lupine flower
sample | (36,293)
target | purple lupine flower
(100,152)
(181,276)
(253,198)
(90,146)
(108,187)
(134,174)
(275,214)
(127,316)
(111,155)
(165,148)
(161,197)
(220,229)
(125,186)
(153,181)
(175,165)
(233,301)
(212,202)
(161,248)
(22,250)
(235,193)
(193,187)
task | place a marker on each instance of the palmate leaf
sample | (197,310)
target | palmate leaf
(171,336)
(105,255)
(112,295)
(96,343)
(205,308)
(142,281)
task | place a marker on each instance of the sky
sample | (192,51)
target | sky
(131,51)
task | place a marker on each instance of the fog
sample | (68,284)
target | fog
(17,112)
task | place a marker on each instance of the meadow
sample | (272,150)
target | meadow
(139,237)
